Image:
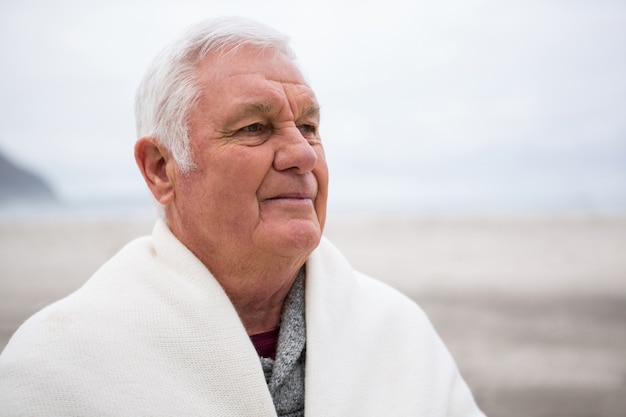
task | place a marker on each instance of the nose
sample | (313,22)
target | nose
(294,152)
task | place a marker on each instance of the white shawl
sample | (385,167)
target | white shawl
(152,333)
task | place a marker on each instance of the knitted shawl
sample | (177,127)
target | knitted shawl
(152,333)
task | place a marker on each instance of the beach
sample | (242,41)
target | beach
(532,309)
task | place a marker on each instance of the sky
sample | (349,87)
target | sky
(453,106)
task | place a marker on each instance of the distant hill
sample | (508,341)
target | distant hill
(20,185)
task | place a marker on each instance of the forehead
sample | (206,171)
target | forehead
(252,75)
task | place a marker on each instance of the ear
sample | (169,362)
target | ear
(155,164)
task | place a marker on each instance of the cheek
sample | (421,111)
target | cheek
(195,192)
(249,169)
(236,174)
(321,174)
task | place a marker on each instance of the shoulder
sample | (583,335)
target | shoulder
(61,326)
(332,275)
(357,307)
(127,334)
(379,334)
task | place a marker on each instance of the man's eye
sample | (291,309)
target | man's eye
(254,128)
(307,129)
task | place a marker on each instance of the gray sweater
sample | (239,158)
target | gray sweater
(285,374)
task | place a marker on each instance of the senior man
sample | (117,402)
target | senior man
(235,305)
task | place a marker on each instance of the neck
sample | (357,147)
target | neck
(257,281)
(258,293)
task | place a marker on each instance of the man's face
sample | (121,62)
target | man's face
(261,180)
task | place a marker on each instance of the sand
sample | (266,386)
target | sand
(533,310)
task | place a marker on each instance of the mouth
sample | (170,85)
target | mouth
(294,198)
(291,196)
(291,199)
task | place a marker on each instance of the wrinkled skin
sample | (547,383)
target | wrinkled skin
(254,207)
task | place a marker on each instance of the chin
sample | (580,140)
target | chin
(299,237)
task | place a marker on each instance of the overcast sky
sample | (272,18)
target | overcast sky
(426,105)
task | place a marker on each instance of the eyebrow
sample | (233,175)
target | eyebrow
(309,111)
(268,107)
(256,108)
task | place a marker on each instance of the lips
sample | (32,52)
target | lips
(291,196)
(309,193)
(294,189)
(291,199)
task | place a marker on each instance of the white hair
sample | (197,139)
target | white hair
(169,88)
